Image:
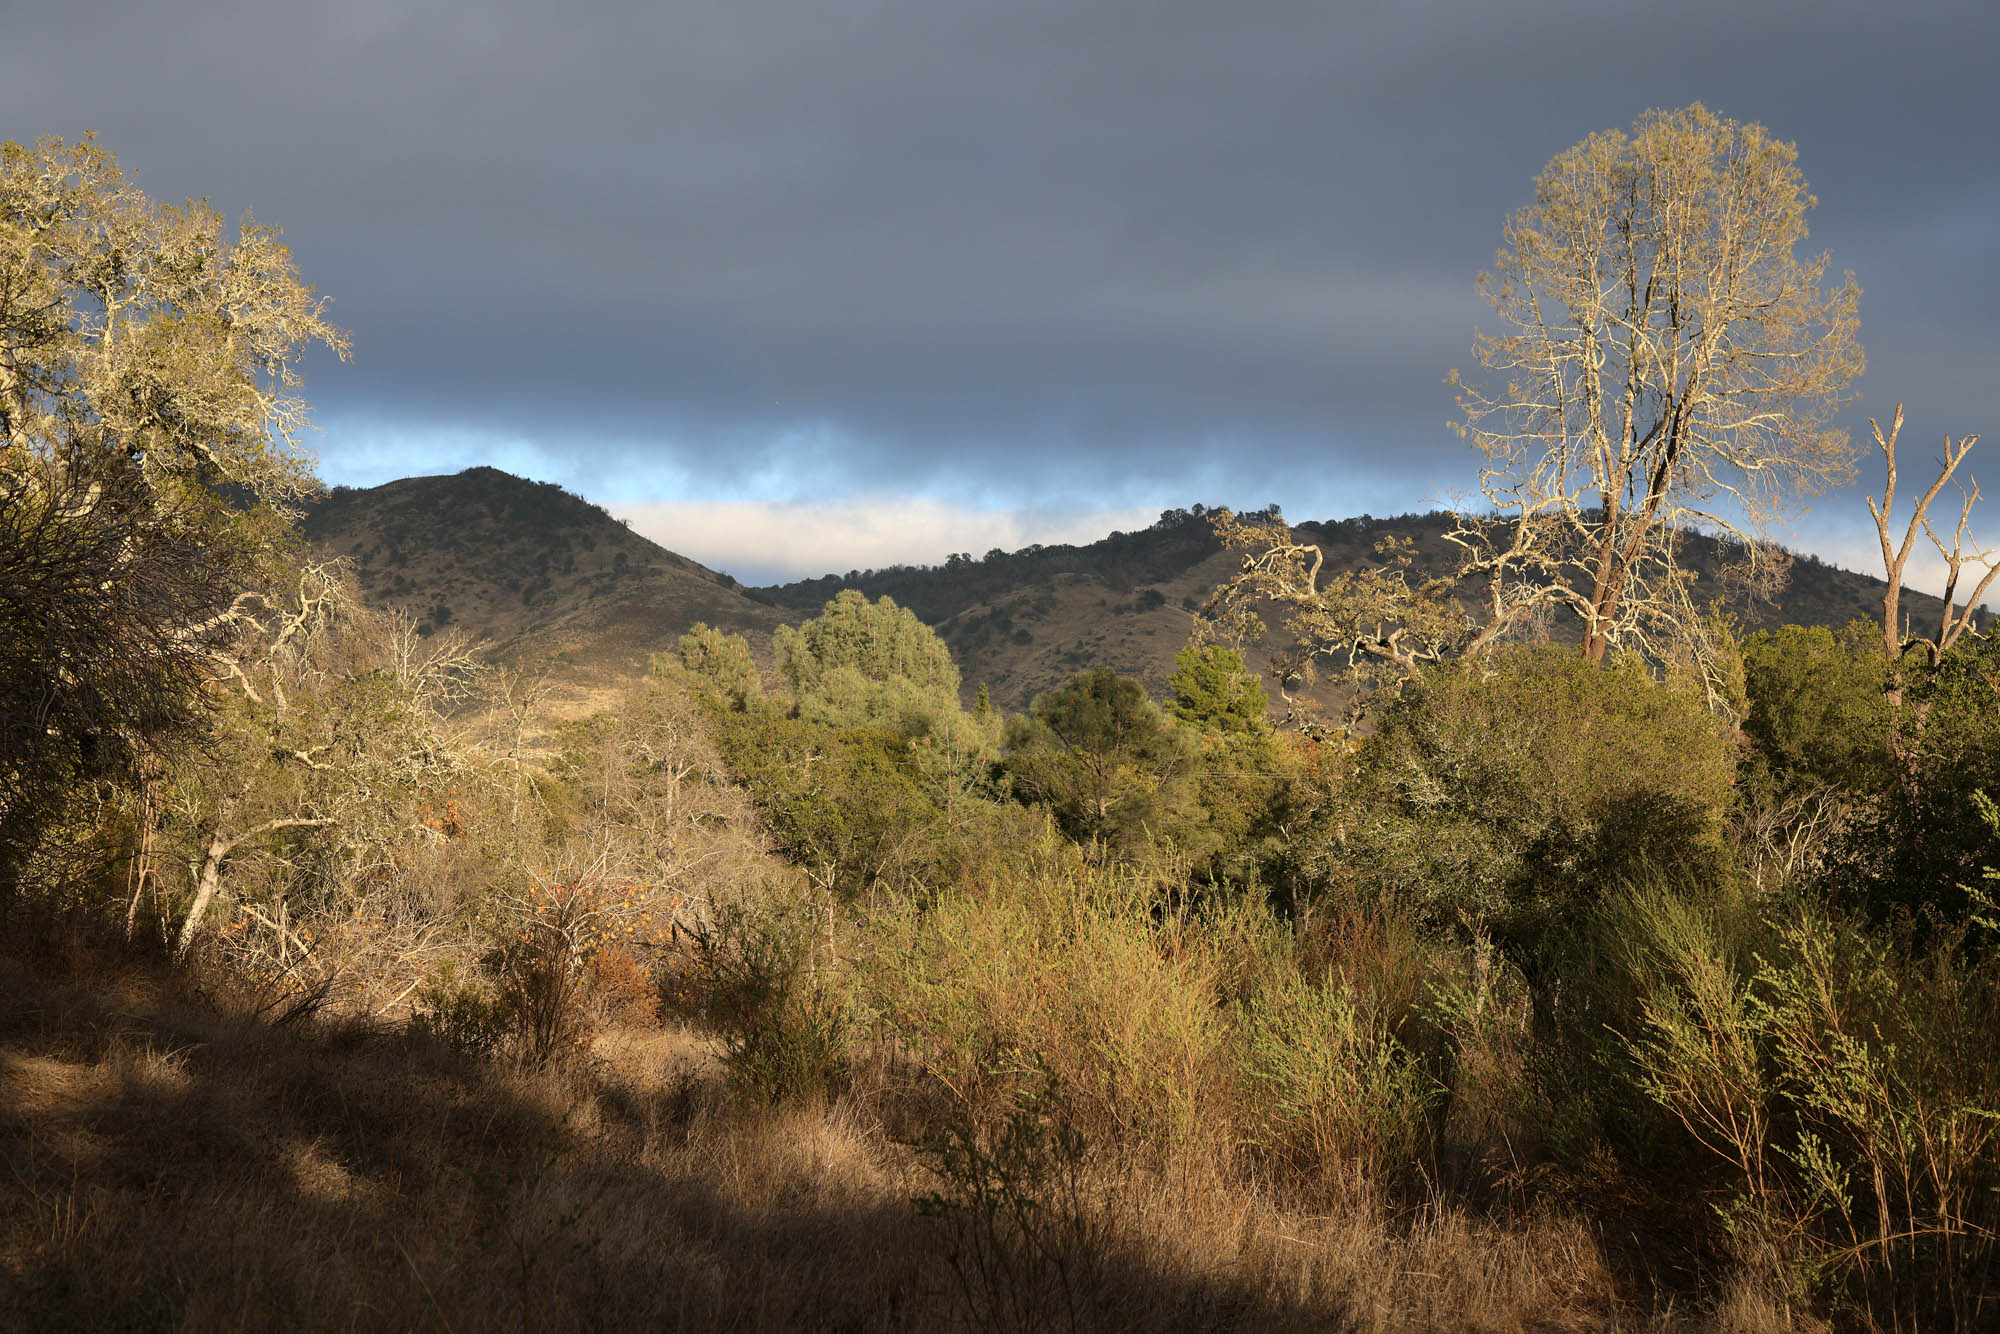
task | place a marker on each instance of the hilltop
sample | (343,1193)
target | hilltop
(546,577)
(542,576)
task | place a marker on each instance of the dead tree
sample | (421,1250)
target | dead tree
(1955,619)
(1899,641)
(1665,363)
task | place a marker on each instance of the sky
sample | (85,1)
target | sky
(810,285)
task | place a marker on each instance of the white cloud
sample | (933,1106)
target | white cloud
(774,541)
(1862,553)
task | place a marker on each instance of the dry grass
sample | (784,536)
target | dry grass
(170,1164)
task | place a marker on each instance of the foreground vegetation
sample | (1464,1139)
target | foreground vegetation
(1649,985)
(1148,1018)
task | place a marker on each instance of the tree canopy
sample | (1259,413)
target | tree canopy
(1096,752)
(148,364)
(1214,692)
(869,663)
(1666,360)
(143,330)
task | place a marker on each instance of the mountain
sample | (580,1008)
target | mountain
(1027,620)
(543,576)
(547,578)
(1022,622)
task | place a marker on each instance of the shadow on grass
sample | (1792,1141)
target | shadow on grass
(168,1166)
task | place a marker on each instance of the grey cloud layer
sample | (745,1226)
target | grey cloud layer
(1009,248)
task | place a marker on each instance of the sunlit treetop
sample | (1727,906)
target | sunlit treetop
(152,331)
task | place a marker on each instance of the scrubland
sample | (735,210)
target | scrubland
(845,1007)
(1603,966)
(175,1161)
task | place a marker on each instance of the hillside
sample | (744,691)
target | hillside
(1021,622)
(542,576)
(546,577)
(1027,620)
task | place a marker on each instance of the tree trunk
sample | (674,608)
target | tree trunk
(142,856)
(210,878)
(205,886)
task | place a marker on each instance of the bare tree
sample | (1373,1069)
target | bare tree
(519,697)
(1666,364)
(1961,561)
(333,720)
(1366,619)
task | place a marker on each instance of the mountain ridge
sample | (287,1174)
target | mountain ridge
(546,577)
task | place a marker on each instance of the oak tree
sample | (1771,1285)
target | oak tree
(874,664)
(334,735)
(1098,753)
(149,387)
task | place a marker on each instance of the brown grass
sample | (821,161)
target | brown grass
(171,1164)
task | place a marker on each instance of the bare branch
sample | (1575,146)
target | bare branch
(209,879)
(1956,618)
(1371,616)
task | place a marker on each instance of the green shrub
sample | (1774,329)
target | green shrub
(1871,768)
(722,662)
(1699,1048)
(849,805)
(779,998)
(1506,798)
(1817,711)
(1327,1086)
(1931,839)
(1099,755)
(1068,976)
(1027,1235)
(1850,1084)
(1214,692)
(875,665)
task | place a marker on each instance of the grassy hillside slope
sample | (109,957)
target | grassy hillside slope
(541,575)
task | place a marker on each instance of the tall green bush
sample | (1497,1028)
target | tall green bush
(1063,978)
(1100,755)
(722,662)
(850,805)
(1506,797)
(874,664)
(777,992)
(1817,708)
(1328,1085)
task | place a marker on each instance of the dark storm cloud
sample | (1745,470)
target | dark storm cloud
(1017,248)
